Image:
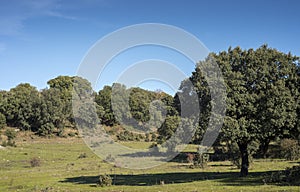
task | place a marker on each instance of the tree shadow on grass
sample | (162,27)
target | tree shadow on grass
(171,156)
(228,178)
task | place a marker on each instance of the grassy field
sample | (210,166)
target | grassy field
(69,165)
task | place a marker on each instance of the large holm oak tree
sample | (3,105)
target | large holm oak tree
(261,99)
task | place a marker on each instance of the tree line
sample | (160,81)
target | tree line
(49,111)
(262,102)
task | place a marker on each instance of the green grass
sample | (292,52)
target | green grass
(61,169)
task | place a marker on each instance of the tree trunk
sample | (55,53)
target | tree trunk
(245,161)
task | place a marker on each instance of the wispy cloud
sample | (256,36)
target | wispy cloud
(14,13)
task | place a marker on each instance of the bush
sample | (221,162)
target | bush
(129,136)
(9,143)
(201,160)
(290,149)
(147,139)
(153,137)
(45,129)
(35,162)
(126,136)
(105,180)
(2,121)
(288,176)
(82,155)
(10,134)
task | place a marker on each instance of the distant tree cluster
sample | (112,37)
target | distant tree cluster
(44,112)
(137,108)
(49,111)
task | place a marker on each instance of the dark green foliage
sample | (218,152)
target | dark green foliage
(2,121)
(10,134)
(262,93)
(135,108)
(201,160)
(3,104)
(139,103)
(60,94)
(126,136)
(22,108)
(147,137)
(57,104)
(168,128)
(153,137)
(104,109)
(46,112)
(83,104)
(130,136)
(49,111)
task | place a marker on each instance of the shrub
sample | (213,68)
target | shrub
(2,121)
(287,176)
(105,180)
(82,155)
(290,149)
(153,137)
(9,143)
(125,136)
(147,139)
(35,162)
(201,160)
(10,134)
(129,136)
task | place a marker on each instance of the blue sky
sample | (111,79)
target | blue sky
(41,39)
